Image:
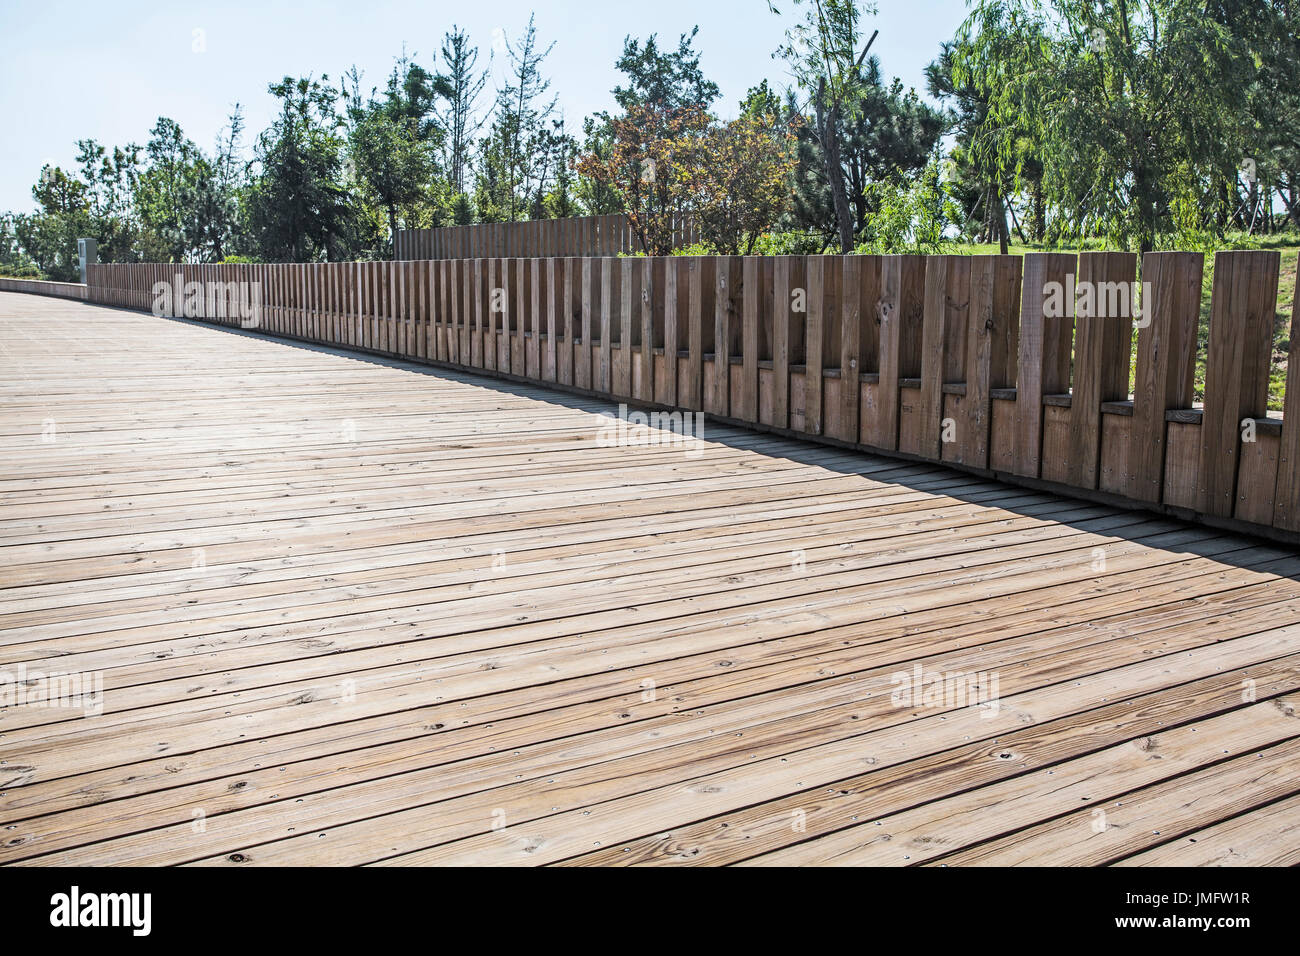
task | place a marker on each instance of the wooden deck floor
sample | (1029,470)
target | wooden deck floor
(353,612)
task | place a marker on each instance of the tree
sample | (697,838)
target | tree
(737,180)
(393,143)
(459,120)
(672,81)
(111,178)
(665,85)
(823,54)
(50,236)
(556,197)
(513,169)
(598,197)
(1270,129)
(218,192)
(297,205)
(166,191)
(980,179)
(646,165)
(912,213)
(1123,98)
(14,259)
(891,134)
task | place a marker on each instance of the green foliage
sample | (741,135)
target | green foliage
(672,82)
(393,145)
(298,207)
(1063,124)
(736,181)
(49,237)
(459,120)
(789,244)
(526,142)
(857,130)
(185,200)
(911,216)
(652,154)
(1119,99)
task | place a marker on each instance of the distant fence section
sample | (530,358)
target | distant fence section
(544,238)
(63,290)
(994,363)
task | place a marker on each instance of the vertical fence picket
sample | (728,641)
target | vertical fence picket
(1286,508)
(1044,361)
(1242,307)
(1102,342)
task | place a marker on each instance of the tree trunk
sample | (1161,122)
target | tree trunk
(1038,219)
(828,133)
(1001,222)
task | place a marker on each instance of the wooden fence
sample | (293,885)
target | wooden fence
(966,360)
(63,290)
(580,236)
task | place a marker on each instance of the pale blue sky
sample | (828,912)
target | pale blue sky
(108,69)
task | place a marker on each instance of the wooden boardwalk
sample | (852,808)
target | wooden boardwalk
(350,611)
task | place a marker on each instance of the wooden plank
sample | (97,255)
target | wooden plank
(465,283)
(367,560)
(785,288)
(701,273)
(815,267)
(451,309)
(1257,476)
(1166,363)
(1286,511)
(1267,837)
(589,296)
(610,294)
(880,419)
(566,312)
(947,298)
(646,317)
(854,289)
(629,307)
(1182,458)
(551,292)
(1237,367)
(431,301)
(901,316)
(993,343)
(477,305)
(754,304)
(1102,343)
(726,313)
(1045,344)
(533,318)
(676,309)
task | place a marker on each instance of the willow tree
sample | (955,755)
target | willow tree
(1124,100)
